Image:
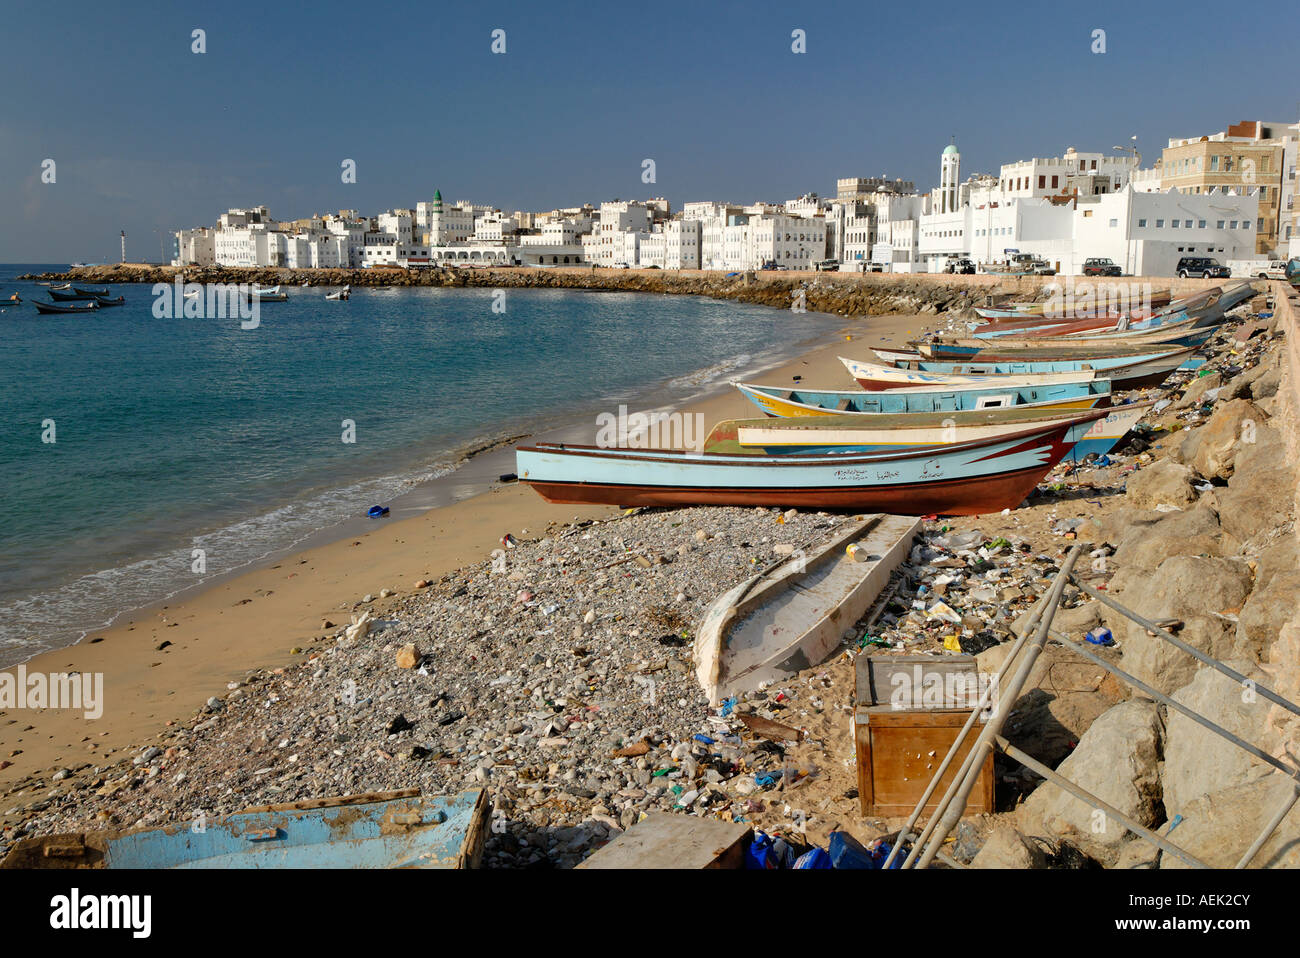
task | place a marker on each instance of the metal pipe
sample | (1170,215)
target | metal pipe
(957,798)
(1086,796)
(1276,820)
(1190,650)
(1179,706)
(919,810)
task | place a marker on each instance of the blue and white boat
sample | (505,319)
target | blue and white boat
(781,402)
(844,434)
(1125,371)
(965,478)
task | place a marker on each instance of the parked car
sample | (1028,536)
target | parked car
(827,264)
(1101,266)
(1272,269)
(1202,266)
(963,266)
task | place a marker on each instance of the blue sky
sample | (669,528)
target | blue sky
(148,136)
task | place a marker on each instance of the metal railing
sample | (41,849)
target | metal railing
(926,846)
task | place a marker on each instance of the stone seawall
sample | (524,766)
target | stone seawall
(846,294)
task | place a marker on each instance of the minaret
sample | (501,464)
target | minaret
(435,220)
(949,177)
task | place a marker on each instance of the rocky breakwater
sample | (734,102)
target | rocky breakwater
(1205,546)
(842,294)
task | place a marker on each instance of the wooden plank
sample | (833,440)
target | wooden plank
(772,731)
(874,677)
(665,840)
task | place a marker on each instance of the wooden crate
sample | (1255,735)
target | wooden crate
(898,752)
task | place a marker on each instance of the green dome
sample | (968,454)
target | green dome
(950,149)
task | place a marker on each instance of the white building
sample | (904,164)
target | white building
(1147,233)
(1075,173)
(196,247)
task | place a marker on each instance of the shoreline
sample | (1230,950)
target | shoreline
(166,658)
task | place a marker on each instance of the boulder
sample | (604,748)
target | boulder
(1196,389)
(1218,828)
(1269,607)
(1199,761)
(1212,449)
(1161,483)
(1151,538)
(1007,848)
(1138,853)
(1063,696)
(1118,761)
(1193,589)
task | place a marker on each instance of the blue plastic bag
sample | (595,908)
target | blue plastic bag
(813,858)
(849,853)
(759,856)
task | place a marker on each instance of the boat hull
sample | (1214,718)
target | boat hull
(789,403)
(809,437)
(960,479)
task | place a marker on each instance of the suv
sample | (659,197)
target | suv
(1201,266)
(1101,266)
(1273,269)
(963,266)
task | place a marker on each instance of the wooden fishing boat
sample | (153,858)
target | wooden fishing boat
(1124,371)
(106,303)
(960,348)
(259,290)
(793,614)
(96,293)
(68,295)
(1068,318)
(874,377)
(401,829)
(267,297)
(842,434)
(959,479)
(341,294)
(89,307)
(1012,311)
(781,402)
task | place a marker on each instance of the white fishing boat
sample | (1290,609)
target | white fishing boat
(793,614)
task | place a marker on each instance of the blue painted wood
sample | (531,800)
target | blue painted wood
(416,832)
(893,401)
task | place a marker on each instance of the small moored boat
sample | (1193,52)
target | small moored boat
(89,307)
(1084,393)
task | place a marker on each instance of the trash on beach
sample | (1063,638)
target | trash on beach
(1100,637)
(377,512)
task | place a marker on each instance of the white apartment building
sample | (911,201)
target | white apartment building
(791,241)
(674,245)
(1075,173)
(397,223)
(196,247)
(616,220)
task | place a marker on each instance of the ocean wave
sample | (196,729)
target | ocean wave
(67,614)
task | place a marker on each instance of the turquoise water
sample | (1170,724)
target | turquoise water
(180,434)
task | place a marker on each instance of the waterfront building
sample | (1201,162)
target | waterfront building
(1251,155)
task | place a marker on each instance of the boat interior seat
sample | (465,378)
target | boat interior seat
(845,403)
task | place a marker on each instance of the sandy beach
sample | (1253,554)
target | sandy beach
(161,663)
